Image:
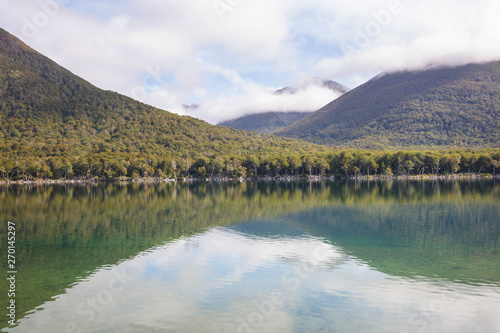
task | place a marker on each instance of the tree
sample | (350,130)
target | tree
(294,164)
(346,160)
(216,165)
(67,169)
(408,165)
(483,162)
(387,171)
(369,164)
(308,165)
(173,164)
(418,158)
(252,163)
(321,165)
(495,164)
(400,158)
(432,160)
(454,163)
(282,165)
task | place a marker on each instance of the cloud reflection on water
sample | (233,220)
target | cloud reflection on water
(215,281)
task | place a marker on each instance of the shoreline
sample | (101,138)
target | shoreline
(245,179)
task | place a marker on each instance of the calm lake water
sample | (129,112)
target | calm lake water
(254,257)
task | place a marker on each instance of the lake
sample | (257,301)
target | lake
(337,256)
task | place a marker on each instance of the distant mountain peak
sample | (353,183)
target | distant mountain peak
(190,107)
(316,81)
(270,122)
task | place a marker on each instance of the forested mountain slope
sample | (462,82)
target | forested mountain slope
(266,123)
(47,112)
(444,107)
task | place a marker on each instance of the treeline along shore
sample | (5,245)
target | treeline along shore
(351,163)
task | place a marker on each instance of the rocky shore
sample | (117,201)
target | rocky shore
(243,179)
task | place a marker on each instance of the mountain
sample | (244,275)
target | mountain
(317,81)
(270,122)
(266,123)
(48,112)
(440,107)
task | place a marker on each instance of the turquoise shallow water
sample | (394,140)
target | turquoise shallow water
(256,257)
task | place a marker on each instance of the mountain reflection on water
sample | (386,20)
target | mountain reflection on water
(263,257)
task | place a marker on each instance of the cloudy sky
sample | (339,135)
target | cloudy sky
(228,56)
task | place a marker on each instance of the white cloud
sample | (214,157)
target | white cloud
(257,99)
(424,33)
(169,50)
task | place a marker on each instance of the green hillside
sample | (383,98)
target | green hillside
(265,123)
(446,107)
(47,112)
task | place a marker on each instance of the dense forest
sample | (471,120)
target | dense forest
(108,165)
